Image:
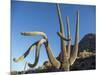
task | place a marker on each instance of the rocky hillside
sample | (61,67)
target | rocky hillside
(84,64)
(88,42)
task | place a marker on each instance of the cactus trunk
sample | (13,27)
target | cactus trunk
(63,46)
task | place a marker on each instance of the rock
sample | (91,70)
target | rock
(87,63)
(88,42)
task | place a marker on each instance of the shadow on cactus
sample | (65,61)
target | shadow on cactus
(68,56)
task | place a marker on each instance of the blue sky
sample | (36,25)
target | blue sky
(35,16)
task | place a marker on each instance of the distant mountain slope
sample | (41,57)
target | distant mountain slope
(88,42)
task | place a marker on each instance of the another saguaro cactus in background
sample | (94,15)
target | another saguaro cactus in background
(68,56)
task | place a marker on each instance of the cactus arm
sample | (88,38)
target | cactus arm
(75,49)
(60,20)
(21,58)
(34,33)
(68,37)
(52,59)
(37,53)
(63,46)
(61,36)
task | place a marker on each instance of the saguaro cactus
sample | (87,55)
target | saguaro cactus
(68,56)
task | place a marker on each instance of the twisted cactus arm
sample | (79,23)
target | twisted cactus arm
(75,49)
(52,59)
(44,41)
(21,58)
(37,53)
(34,33)
(61,36)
